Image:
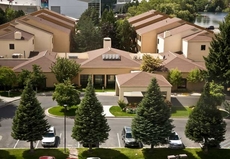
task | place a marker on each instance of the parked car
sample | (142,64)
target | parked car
(49,139)
(175,141)
(47,157)
(128,139)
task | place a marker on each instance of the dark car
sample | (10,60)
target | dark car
(211,27)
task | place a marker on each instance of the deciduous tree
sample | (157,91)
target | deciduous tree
(195,76)
(206,124)
(65,69)
(175,77)
(152,124)
(90,124)
(7,76)
(65,93)
(150,64)
(29,123)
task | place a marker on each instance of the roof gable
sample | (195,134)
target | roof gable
(43,59)
(143,79)
(173,61)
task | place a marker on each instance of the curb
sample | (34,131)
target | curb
(61,117)
(6,103)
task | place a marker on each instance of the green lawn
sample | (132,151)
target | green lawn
(117,153)
(59,111)
(158,153)
(117,112)
(26,154)
(180,111)
(176,112)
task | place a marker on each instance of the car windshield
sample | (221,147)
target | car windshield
(128,135)
(49,135)
(173,137)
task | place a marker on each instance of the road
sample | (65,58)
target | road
(116,125)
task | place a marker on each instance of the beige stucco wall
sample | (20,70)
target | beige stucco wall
(194,50)
(42,39)
(149,39)
(61,39)
(50,79)
(20,46)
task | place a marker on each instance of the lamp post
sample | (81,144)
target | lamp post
(65,106)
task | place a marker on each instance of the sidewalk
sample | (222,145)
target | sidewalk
(6,100)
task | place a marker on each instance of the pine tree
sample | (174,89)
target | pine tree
(90,125)
(29,123)
(205,124)
(217,62)
(152,124)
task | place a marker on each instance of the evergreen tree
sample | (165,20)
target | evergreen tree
(152,124)
(205,124)
(90,125)
(29,123)
(217,62)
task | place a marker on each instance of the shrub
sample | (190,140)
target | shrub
(122,104)
(131,110)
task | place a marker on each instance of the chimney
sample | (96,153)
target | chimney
(17,35)
(167,34)
(107,42)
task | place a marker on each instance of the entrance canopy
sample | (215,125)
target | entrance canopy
(139,82)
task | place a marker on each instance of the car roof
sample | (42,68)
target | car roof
(47,157)
(51,128)
(128,129)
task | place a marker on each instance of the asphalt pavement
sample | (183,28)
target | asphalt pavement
(116,124)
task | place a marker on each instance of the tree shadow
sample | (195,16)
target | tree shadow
(8,111)
(162,153)
(4,154)
(214,153)
(57,153)
(103,153)
(174,109)
(176,102)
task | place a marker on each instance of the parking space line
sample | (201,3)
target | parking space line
(37,144)
(16,144)
(119,144)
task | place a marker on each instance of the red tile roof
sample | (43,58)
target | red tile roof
(140,79)
(43,59)
(141,16)
(174,60)
(181,29)
(12,62)
(10,34)
(95,59)
(201,36)
(160,24)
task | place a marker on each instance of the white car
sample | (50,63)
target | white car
(49,138)
(175,141)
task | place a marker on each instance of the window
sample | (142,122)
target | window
(11,46)
(203,47)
